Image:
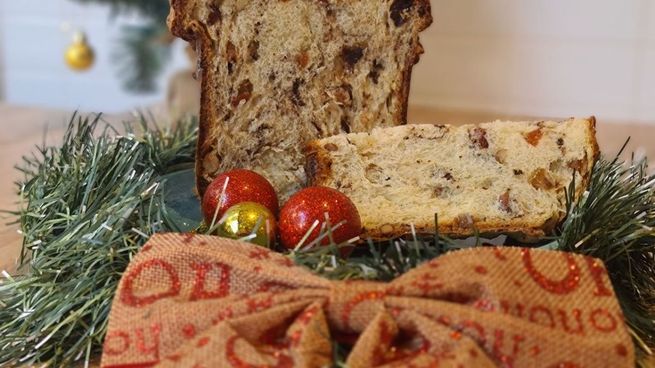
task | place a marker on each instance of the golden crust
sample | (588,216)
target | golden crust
(426,11)
(182,24)
(318,164)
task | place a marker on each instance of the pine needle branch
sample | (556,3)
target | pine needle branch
(85,208)
(615,222)
(382,261)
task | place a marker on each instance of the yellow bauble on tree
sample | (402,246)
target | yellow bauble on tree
(79,55)
(249,221)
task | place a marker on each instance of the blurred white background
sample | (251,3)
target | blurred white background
(515,57)
(32,66)
(541,58)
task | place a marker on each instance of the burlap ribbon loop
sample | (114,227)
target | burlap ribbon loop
(199,301)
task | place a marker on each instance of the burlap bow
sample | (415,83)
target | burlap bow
(198,301)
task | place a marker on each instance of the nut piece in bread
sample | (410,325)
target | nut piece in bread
(278,74)
(500,177)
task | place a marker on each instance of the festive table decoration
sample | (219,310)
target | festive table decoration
(306,212)
(187,306)
(90,204)
(234,187)
(249,221)
(79,55)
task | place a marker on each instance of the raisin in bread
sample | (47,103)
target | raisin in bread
(500,177)
(278,74)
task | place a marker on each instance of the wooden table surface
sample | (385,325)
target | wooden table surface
(21,128)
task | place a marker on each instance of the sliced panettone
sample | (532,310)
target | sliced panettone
(500,177)
(278,74)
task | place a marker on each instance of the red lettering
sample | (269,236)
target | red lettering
(295,338)
(484,305)
(189,331)
(565,322)
(116,342)
(520,308)
(621,350)
(257,305)
(355,301)
(284,261)
(516,348)
(203,341)
(199,289)
(226,313)
(506,308)
(565,365)
(444,320)
(598,274)
(308,314)
(426,282)
(395,290)
(568,284)
(127,296)
(141,343)
(539,309)
(468,325)
(507,359)
(608,324)
(385,337)
(498,253)
(259,254)
(283,360)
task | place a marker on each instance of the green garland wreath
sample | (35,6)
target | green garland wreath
(89,204)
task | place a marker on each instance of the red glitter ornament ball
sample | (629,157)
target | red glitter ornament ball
(242,186)
(310,205)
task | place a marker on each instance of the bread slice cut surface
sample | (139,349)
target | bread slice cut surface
(278,74)
(499,177)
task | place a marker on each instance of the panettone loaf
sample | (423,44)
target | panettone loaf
(278,74)
(500,177)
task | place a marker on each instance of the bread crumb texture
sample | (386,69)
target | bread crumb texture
(499,177)
(278,74)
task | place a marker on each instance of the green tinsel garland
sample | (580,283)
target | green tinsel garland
(89,205)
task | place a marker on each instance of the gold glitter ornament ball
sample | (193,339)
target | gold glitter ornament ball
(79,55)
(250,222)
